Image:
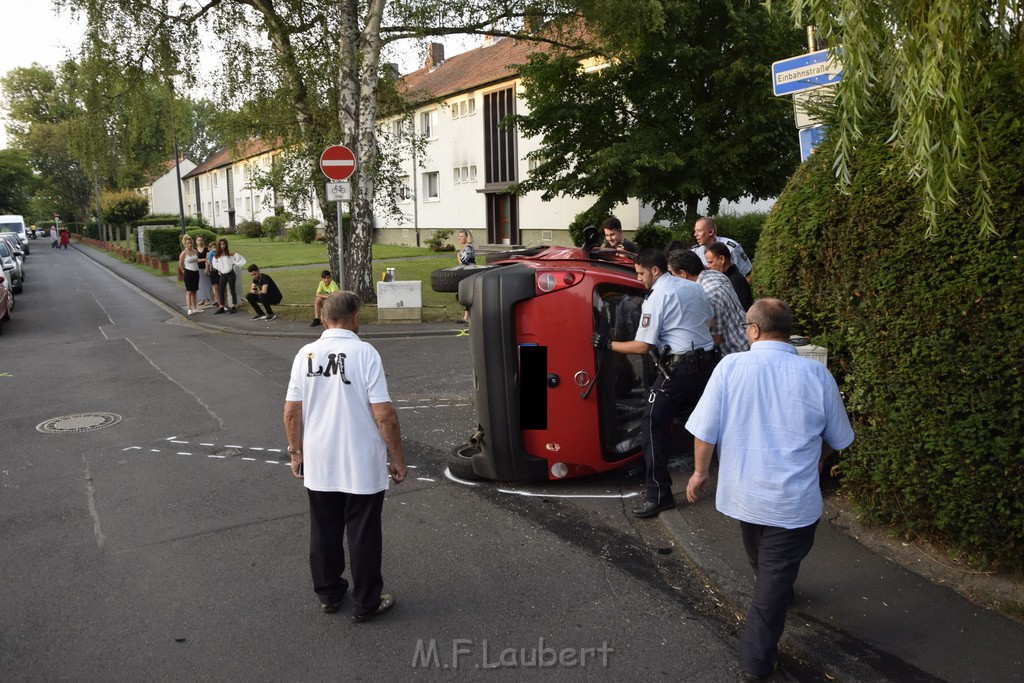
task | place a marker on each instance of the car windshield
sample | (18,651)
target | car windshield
(10,227)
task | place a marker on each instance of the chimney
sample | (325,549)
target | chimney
(435,56)
(392,72)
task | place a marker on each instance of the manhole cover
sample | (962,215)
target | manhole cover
(79,422)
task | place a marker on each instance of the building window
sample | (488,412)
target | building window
(500,155)
(248,205)
(428,119)
(463,108)
(403,190)
(215,179)
(431,189)
(457,175)
(472,174)
(216,207)
(398,129)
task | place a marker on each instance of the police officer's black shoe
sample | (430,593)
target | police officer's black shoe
(650,509)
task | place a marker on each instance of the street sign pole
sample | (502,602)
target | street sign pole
(338,162)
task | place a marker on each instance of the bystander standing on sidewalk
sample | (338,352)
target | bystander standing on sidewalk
(188,262)
(225,262)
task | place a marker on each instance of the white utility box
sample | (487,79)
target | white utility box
(818,353)
(400,301)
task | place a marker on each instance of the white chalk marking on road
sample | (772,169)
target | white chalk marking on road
(179,442)
(154,450)
(449,475)
(273,450)
(219,457)
(255,448)
(407,407)
(232,445)
(412,467)
(171,438)
(425,479)
(250,459)
(183,453)
(276,462)
(532,494)
(207,444)
(132,448)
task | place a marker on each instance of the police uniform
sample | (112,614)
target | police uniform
(738,256)
(676,314)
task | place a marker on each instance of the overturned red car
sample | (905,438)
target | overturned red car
(549,405)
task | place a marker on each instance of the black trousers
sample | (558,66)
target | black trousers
(775,555)
(227,280)
(256,299)
(331,514)
(670,398)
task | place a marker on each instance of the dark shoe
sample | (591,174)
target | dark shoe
(330,607)
(258,317)
(651,509)
(315,323)
(232,310)
(387,601)
(272,316)
(219,311)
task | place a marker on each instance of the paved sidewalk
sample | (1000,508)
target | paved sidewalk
(849,600)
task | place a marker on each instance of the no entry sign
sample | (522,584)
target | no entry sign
(338,162)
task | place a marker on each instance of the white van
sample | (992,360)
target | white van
(16,226)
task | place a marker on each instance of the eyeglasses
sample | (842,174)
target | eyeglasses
(746,325)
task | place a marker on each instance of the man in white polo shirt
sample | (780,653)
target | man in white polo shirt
(341,426)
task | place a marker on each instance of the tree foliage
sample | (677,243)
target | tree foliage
(673,105)
(925,61)
(16,181)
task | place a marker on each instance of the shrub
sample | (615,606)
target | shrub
(437,239)
(208,235)
(923,335)
(304,231)
(652,236)
(250,228)
(745,228)
(274,225)
(164,243)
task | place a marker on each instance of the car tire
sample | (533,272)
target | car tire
(460,463)
(447,279)
(19,289)
(502,255)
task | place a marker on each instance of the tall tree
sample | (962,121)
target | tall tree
(674,106)
(16,181)
(318,64)
(924,61)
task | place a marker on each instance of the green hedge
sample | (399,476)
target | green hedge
(163,242)
(924,335)
(745,228)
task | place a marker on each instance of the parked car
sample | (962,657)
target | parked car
(15,225)
(11,267)
(6,303)
(18,250)
(550,406)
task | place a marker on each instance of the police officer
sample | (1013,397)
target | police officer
(705,231)
(675,320)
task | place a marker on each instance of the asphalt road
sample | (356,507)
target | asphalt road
(171,544)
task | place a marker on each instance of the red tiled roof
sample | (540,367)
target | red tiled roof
(226,156)
(162,170)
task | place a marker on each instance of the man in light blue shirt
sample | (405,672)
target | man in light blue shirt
(775,418)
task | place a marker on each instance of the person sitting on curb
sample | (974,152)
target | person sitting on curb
(263,291)
(326,287)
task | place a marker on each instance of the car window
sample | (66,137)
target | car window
(4,249)
(10,227)
(622,384)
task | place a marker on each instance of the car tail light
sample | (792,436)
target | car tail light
(553,280)
(559,470)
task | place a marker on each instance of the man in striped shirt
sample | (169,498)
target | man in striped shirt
(727,328)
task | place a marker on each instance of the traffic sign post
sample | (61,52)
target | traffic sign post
(805,72)
(338,162)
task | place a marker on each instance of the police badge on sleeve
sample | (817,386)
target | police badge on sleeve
(645,320)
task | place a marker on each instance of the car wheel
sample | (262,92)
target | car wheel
(10,303)
(19,289)
(448,279)
(460,463)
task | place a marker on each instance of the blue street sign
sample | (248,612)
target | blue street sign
(809,139)
(805,72)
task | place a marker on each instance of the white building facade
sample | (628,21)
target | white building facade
(223,189)
(162,191)
(461,178)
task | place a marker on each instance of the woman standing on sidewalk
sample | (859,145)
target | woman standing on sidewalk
(205,288)
(188,262)
(225,263)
